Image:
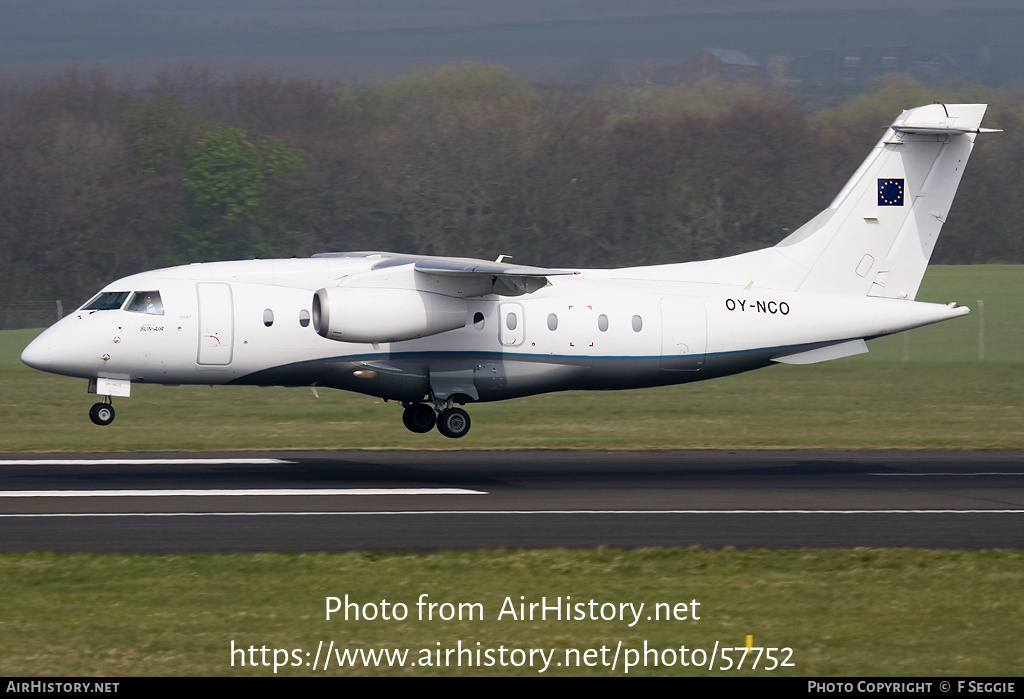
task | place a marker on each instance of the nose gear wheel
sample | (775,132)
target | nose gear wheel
(102,413)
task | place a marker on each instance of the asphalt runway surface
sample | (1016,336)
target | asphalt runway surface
(429,501)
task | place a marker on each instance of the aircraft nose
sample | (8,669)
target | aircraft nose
(38,354)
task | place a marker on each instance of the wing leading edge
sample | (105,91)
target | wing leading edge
(458,276)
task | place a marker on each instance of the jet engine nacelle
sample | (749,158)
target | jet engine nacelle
(360,314)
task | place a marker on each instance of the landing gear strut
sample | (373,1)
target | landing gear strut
(102,413)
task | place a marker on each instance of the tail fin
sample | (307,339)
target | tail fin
(877,235)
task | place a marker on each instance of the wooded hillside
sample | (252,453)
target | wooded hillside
(99,180)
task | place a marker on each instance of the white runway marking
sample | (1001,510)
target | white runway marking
(237,492)
(515,512)
(136,462)
(978,473)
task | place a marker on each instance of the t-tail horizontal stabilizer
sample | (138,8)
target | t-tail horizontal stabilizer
(877,235)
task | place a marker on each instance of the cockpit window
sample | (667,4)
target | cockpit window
(146,302)
(107,301)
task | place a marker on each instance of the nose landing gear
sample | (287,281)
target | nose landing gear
(102,413)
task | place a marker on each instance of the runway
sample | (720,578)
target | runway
(428,501)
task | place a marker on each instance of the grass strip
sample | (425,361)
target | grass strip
(842,405)
(877,612)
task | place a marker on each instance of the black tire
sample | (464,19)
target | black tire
(453,423)
(102,413)
(419,418)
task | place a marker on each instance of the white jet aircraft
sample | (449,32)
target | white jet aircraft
(433,332)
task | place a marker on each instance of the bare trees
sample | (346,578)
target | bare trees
(99,180)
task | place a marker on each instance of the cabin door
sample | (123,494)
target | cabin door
(216,323)
(684,334)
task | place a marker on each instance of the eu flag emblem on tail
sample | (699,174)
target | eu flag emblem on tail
(890,192)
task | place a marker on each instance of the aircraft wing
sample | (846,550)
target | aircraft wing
(504,279)
(459,276)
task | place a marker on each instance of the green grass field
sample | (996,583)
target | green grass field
(843,613)
(862,612)
(925,389)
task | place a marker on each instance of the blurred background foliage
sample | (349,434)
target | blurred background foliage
(99,180)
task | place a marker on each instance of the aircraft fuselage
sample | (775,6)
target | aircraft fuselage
(249,322)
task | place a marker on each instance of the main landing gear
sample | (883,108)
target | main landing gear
(452,422)
(102,413)
(419,418)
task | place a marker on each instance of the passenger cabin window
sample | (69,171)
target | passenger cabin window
(638,324)
(552,322)
(304,318)
(146,302)
(602,323)
(268,317)
(107,301)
